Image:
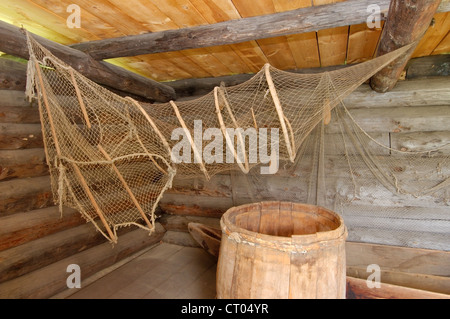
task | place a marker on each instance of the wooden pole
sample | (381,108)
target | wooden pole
(407,22)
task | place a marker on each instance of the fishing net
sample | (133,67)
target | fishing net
(113,158)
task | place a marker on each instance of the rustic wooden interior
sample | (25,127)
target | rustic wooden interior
(157,50)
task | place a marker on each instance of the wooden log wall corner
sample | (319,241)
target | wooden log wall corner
(407,22)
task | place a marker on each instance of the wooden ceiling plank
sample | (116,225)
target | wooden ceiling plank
(32,27)
(160,66)
(251,54)
(184,14)
(276,49)
(444,46)
(182,62)
(140,66)
(34,13)
(220,11)
(278,52)
(146,13)
(97,28)
(107,12)
(434,35)
(226,60)
(333,46)
(332,42)
(304,47)
(362,43)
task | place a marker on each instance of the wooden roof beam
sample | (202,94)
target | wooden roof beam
(407,22)
(13,41)
(239,30)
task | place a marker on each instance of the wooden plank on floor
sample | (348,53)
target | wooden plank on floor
(148,281)
(203,288)
(184,277)
(113,282)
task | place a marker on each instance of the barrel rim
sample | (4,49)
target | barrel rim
(294,242)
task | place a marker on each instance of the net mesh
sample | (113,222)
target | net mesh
(112,158)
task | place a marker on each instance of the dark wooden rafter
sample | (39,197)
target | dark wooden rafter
(407,22)
(240,30)
(13,41)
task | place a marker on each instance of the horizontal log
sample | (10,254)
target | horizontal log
(374,235)
(187,89)
(292,184)
(416,213)
(14,43)
(416,92)
(19,114)
(23,259)
(297,21)
(358,289)
(180,223)
(22,163)
(17,136)
(433,65)
(421,141)
(12,74)
(402,259)
(50,280)
(21,228)
(179,238)
(195,205)
(423,224)
(25,194)
(399,119)
(15,98)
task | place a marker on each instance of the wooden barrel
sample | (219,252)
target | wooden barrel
(281,250)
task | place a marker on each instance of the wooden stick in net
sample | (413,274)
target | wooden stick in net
(80,99)
(245,167)
(127,188)
(289,144)
(197,154)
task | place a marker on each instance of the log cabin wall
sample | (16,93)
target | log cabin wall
(37,243)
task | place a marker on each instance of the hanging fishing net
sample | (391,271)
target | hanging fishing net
(112,158)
